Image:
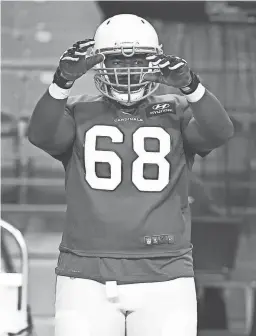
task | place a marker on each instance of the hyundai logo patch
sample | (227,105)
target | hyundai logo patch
(160,109)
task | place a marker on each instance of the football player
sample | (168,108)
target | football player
(125,264)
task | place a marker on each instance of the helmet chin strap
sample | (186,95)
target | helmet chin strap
(122,97)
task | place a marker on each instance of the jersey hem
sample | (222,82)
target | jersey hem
(118,255)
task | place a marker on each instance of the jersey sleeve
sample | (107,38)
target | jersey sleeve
(186,115)
(65,155)
(52,125)
(68,119)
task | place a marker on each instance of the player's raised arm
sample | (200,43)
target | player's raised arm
(52,126)
(210,126)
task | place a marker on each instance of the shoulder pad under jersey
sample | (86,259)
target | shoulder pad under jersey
(73,100)
(180,100)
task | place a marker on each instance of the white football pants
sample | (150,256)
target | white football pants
(88,308)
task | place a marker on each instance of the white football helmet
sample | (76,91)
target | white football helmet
(126,35)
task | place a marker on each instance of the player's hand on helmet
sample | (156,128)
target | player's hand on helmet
(174,71)
(75,62)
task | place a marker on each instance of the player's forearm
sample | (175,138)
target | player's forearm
(212,119)
(47,129)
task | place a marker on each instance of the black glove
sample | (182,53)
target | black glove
(74,63)
(174,71)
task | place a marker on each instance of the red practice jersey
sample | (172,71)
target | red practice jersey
(127,179)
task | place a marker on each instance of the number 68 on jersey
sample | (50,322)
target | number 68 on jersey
(158,158)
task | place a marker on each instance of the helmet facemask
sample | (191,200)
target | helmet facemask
(125,84)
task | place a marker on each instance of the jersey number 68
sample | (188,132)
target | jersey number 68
(93,155)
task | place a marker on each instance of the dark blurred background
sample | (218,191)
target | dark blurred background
(218,39)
